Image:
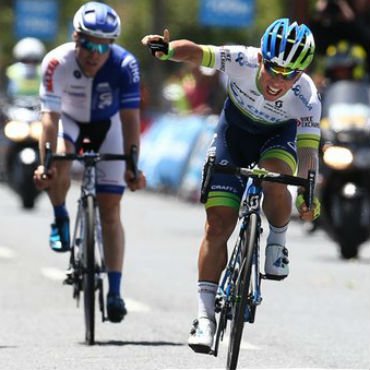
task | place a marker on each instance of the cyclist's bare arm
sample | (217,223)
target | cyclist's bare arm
(307,159)
(130,119)
(49,134)
(183,50)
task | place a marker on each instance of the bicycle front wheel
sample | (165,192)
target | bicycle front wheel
(88,260)
(242,291)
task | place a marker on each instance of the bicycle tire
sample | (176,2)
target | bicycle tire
(237,323)
(88,260)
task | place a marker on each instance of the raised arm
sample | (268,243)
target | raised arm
(178,50)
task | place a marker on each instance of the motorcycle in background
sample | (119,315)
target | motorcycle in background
(344,181)
(21,131)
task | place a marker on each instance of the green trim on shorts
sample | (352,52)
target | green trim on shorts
(282,155)
(209,58)
(222,198)
(308,141)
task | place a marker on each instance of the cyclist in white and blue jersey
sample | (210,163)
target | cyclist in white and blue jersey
(270,117)
(90,91)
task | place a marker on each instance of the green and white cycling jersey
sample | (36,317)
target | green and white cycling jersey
(301,102)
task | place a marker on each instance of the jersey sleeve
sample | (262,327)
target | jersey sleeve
(308,130)
(52,84)
(230,59)
(129,96)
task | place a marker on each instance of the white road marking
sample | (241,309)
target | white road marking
(300,368)
(135,306)
(55,274)
(6,253)
(243,345)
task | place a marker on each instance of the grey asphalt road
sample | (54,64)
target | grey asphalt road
(318,318)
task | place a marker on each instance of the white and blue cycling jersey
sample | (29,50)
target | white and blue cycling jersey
(89,106)
(65,88)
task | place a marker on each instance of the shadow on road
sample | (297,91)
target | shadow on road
(138,343)
(338,260)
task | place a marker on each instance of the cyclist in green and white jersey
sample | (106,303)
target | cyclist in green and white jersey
(270,117)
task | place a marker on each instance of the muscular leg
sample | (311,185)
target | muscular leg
(112,229)
(277,201)
(113,237)
(219,226)
(59,187)
(277,206)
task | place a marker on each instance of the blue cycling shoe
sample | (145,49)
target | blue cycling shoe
(116,308)
(59,239)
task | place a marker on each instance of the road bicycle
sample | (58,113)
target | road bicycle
(86,265)
(239,293)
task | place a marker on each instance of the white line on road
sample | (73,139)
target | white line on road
(243,345)
(55,274)
(6,253)
(308,368)
(136,306)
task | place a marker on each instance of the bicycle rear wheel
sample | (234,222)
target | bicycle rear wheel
(88,260)
(242,290)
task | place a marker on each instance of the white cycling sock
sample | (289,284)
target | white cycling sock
(277,235)
(206,299)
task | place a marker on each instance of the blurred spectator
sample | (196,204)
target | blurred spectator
(345,61)
(336,20)
(202,89)
(24,75)
(195,90)
(145,116)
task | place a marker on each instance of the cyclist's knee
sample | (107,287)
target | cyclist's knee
(220,222)
(109,205)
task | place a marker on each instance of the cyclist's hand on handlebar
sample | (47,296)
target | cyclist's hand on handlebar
(135,184)
(41,181)
(304,213)
(147,40)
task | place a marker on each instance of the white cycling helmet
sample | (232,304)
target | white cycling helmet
(29,48)
(98,20)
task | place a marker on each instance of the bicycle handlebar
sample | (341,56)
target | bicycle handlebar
(261,174)
(90,157)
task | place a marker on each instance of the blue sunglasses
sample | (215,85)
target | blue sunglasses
(93,46)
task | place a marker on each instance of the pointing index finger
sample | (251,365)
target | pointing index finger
(166,35)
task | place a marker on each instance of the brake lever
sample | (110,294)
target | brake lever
(309,192)
(133,156)
(47,160)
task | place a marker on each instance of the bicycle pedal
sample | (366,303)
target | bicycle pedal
(68,280)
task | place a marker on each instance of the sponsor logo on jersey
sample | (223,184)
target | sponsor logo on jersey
(278,103)
(255,93)
(236,90)
(307,122)
(297,92)
(242,62)
(225,57)
(77,74)
(135,74)
(223,188)
(105,96)
(49,74)
(292,145)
